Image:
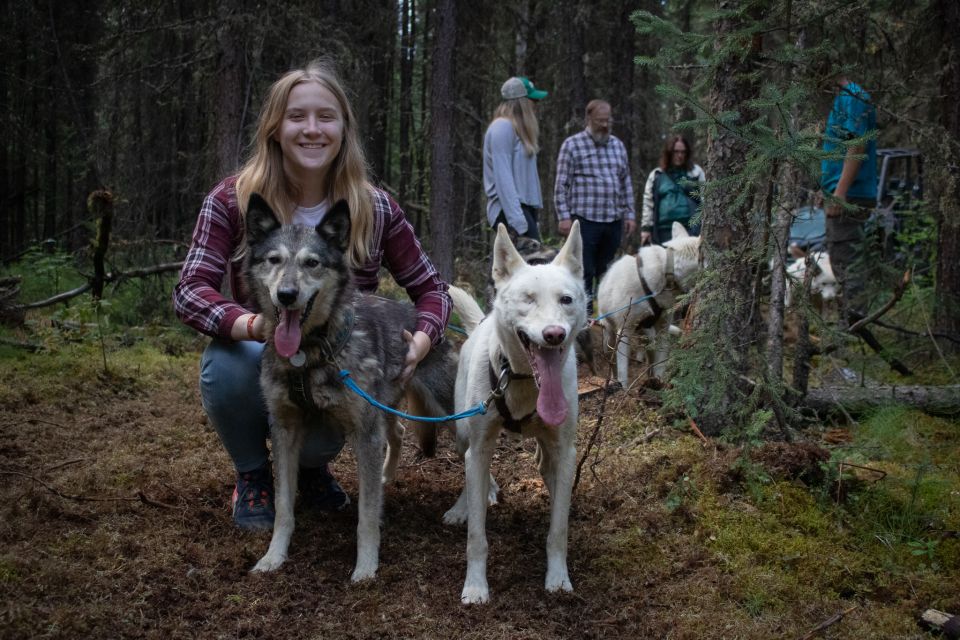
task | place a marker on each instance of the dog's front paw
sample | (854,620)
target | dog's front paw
(456,515)
(475,594)
(558,581)
(361,573)
(269,562)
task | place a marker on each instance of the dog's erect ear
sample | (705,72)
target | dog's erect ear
(261,220)
(335,226)
(506,258)
(679,231)
(571,255)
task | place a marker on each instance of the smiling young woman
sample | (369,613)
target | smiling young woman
(305,157)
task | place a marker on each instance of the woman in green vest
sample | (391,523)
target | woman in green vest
(672,192)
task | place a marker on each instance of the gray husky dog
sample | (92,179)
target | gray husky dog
(319,325)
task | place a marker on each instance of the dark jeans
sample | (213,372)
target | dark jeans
(845,246)
(533,229)
(600,243)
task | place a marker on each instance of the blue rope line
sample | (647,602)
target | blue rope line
(349,382)
(638,300)
(456,329)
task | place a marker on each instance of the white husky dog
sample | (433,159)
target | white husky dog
(521,359)
(823,284)
(656,275)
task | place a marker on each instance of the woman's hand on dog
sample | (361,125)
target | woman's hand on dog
(418,346)
(249,326)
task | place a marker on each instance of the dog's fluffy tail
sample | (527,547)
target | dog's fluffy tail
(467,308)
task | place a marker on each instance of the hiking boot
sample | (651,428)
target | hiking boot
(320,490)
(253,499)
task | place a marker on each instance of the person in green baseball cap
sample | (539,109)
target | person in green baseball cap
(510,148)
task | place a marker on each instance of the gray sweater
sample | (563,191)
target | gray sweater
(509,175)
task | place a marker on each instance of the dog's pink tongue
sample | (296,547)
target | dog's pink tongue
(551,403)
(286,339)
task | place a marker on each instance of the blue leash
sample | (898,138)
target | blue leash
(480,408)
(637,301)
(349,382)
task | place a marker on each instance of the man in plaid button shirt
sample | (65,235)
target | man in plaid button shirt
(594,187)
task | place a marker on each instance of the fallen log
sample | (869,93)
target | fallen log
(938,401)
(946,623)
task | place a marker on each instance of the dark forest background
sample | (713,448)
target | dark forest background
(156,100)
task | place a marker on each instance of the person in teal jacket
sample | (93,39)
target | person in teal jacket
(849,184)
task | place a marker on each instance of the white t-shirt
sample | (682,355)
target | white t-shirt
(311,216)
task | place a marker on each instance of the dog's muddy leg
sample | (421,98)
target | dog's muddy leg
(558,468)
(662,341)
(368,447)
(624,352)
(287,443)
(477,463)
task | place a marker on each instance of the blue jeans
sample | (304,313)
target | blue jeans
(600,243)
(231,396)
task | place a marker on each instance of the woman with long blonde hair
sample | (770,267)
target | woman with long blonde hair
(305,156)
(510,148)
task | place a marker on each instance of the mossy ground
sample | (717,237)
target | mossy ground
(669,536)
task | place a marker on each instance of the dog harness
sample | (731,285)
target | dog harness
(499,383)
(670,284)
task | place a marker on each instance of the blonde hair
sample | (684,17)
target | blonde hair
(519,111)
(346,179)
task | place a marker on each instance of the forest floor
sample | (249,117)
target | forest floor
(115,524)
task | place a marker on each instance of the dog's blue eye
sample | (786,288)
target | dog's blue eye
(566,300)
(310,263)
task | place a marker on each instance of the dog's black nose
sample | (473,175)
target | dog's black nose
(554,335)
(287,296)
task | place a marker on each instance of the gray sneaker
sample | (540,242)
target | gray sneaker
(253,499)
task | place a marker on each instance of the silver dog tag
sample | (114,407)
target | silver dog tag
(298,359)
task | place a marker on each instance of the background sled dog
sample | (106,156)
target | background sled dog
(623,285)
(823,284)
(527,344)
(319,324)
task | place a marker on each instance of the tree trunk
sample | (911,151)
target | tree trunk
(382,39)
(442,97)
(407,40)
(725,307)
(229,91)
(523,34)
(576,75)
(786,205)
(50,168)
(947,295)
(100,205)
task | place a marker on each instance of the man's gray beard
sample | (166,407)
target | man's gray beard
(600,138)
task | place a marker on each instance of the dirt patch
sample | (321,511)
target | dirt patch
(116,524)
(792,460)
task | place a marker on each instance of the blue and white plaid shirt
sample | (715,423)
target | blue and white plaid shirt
(593,180)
